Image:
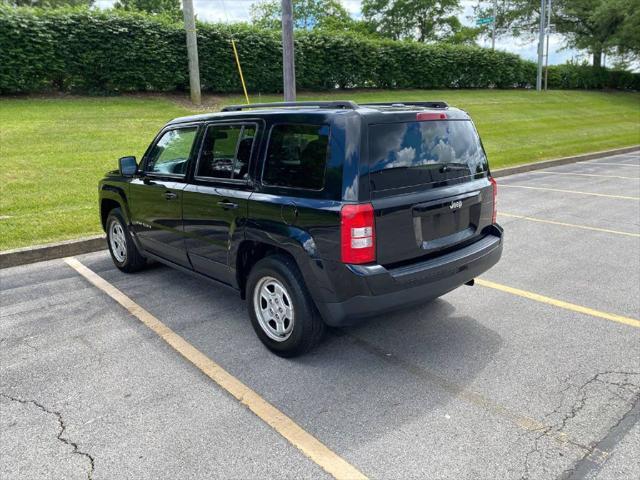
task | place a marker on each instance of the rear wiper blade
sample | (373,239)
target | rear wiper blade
(454,166)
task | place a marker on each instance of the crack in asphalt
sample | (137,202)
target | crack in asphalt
(592,462)
(544,432)
(528,424)
(59,436)
(592,452)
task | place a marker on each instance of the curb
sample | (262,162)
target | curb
(50,251)
(40,253)
(528,167)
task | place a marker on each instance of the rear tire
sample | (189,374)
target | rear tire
(282,312)
(124,253)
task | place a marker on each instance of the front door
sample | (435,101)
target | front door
(156,197)
(215,204)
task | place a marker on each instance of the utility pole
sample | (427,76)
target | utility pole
(288,59)
(546,56)
(192,51)
(540,45)
(493,29)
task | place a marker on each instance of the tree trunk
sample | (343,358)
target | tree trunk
(597,58)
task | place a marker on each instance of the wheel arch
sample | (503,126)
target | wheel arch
(251,252)
(112,197)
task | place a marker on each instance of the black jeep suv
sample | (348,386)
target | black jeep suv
(318,213)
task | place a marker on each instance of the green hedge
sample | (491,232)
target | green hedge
(108,51)
(571,76)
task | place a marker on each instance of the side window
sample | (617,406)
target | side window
(297,156)
(226,151)
(171,153)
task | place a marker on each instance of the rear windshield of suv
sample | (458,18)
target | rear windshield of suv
(424,153)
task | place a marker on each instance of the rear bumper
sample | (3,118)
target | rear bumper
(391,289)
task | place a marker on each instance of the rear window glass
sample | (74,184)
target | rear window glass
(417,153)
(297,156)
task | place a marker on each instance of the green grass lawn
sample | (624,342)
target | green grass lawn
(54,150)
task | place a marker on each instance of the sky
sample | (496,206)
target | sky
(238,11)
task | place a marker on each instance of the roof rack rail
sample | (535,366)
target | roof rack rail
(335,104)
(436,104)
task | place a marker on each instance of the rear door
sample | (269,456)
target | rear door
(216,200)
(429,188)
(156,196)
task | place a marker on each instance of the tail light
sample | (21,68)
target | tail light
(494,187)
(358,234)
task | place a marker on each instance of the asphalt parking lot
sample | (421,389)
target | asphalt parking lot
(534,373)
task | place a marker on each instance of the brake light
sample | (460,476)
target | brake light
(494,188)
(430,116)
(358,234)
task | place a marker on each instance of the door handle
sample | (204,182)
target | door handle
(170,195)
(227,205)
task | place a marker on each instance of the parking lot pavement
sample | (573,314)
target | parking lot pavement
(71,359)
(480,383)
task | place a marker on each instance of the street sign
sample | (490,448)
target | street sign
(484,21)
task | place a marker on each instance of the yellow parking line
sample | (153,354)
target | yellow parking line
(285,426)
(632,322)
(572,225)
(623,197)
(585,175)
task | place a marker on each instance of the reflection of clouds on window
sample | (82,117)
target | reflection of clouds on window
(432,133)
(171,137)
(423,148)
(389,139)
(451,142)
(403,158)
(444,152)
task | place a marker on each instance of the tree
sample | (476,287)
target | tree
(307,14)
(597,26)
(517,18)
(462,35)
(622,19)
(170,8)
(578,21)
(51,3)
(423,20)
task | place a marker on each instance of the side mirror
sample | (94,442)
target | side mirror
(128,166)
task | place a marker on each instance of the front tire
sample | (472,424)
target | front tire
(124,253)
(282,312)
